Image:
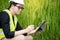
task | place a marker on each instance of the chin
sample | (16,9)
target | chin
(18,13)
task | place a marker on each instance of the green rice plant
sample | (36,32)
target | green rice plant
(37,10)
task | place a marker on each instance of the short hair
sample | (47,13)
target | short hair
(12,3)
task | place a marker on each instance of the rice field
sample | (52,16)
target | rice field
(37,10)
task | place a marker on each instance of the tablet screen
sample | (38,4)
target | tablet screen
(41,27)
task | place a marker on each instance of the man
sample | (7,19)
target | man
(9,26)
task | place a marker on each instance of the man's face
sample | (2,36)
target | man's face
(18,8)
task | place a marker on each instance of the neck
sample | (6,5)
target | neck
(12,12)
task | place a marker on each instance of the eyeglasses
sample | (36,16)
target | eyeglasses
(20,7)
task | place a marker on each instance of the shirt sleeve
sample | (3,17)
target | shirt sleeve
(4,19)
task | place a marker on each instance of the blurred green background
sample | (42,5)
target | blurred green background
(37,10)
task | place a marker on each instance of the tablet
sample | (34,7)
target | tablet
(41,27)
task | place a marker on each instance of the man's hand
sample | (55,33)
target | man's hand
(35,31)
(30,28)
